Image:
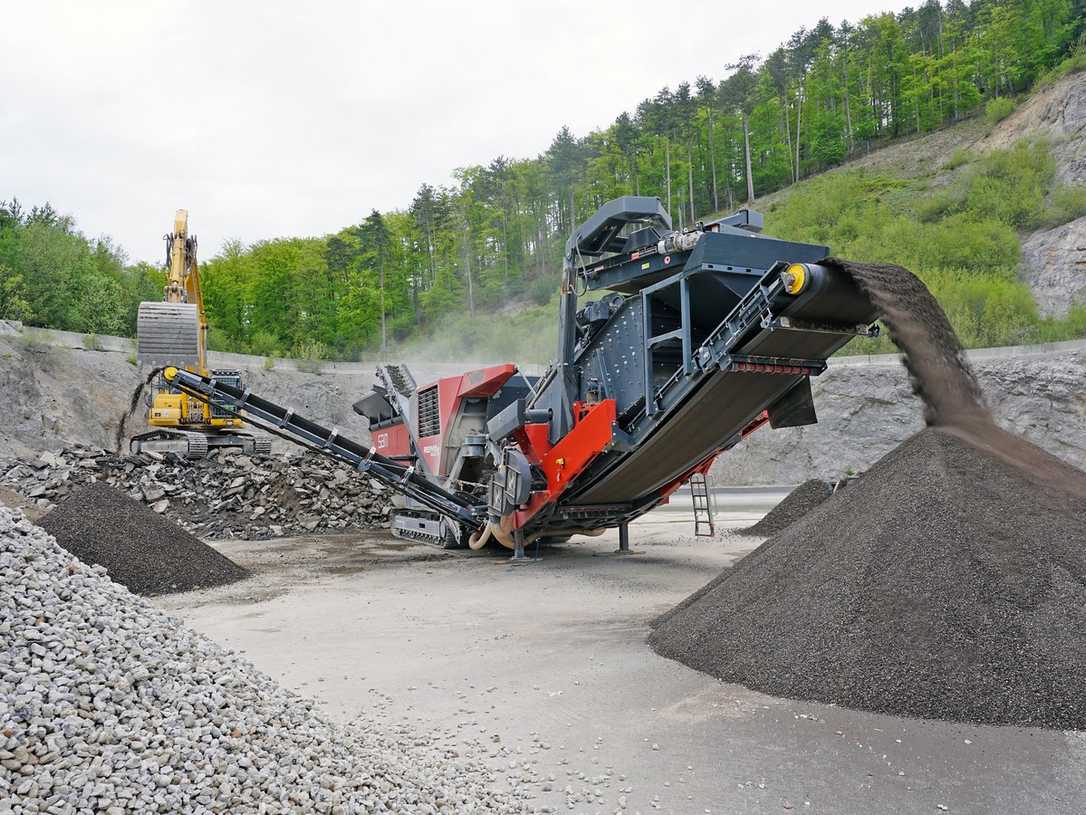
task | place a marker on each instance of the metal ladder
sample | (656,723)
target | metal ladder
(703,506)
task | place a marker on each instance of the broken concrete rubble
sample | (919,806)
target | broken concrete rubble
(223,496)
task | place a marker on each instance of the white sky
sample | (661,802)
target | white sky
(277,119)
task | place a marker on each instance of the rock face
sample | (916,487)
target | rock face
(1057,113)
(865,411)
(222,496)
(1054,266)
(60,395)
(108,705)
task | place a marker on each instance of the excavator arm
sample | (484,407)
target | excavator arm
(174,330)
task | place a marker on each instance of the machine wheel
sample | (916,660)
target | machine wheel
(197,446)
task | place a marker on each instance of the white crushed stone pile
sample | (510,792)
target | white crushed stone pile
(108,705)
(223,496)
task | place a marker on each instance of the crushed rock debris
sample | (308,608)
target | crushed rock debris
(225,495)
(141,550)
(109,705)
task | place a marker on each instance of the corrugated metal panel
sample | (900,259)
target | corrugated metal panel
(429,420)
(168,334)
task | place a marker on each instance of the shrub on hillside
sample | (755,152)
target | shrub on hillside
(1066,203)
(310,355)
(263,344)
(998,109)
(958,158)
(1072,65)
(1008,186)
(541,290)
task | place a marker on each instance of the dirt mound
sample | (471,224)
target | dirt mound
(795,505)
(140,549)
(948,582)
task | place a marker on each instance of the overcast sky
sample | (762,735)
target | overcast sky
(279,119)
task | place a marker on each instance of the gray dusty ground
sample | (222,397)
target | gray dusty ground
(550,661)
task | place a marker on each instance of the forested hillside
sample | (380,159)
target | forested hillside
(460,252)
(51,275)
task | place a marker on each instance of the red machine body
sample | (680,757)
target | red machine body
(447,396)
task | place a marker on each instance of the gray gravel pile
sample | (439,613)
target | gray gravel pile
(794,506)
(223,496)
(141,550)
(949,582)
(108,705)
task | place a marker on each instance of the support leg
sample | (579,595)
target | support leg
(518,545)
(624,537)
(623,544)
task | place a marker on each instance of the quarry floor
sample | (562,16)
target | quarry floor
(549,660)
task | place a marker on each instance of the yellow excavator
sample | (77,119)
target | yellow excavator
(174,332)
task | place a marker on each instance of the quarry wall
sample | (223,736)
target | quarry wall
(61,392)
(866,408)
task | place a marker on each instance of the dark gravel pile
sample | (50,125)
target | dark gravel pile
(947,583)
(795,505)
(139,548)
(223,496)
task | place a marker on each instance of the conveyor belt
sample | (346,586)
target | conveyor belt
(722,407)
(726,401)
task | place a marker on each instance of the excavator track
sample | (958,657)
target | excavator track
(180,442)
(425,527)
(193,444)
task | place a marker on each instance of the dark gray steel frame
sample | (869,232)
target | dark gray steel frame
(720,351)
